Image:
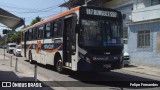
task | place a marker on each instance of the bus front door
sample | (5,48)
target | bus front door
(68,35)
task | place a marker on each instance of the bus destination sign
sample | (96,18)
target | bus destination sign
(101,13)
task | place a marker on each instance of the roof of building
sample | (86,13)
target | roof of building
(75,3)
(10,20)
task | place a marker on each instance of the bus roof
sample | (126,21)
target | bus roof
(53,18)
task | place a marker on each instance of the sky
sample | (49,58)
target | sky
(29,9)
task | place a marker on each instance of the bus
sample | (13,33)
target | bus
(85,38)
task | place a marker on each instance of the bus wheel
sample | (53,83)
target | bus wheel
(30,58)
(59,66)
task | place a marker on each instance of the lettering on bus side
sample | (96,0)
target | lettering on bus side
(101,13)
(48,46)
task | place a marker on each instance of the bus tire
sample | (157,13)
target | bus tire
(59,66)
(30,57)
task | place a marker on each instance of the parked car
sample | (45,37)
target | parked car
(17,51)
(126,59)
(11,47)
(126,56)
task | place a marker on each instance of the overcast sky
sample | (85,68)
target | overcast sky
(29,9)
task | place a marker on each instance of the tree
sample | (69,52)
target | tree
(37,19)
(14,37)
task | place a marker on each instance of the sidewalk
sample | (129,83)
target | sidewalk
(8,73)
(143,69)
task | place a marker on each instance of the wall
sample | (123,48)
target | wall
(150,55)
(147,13)
(115,3)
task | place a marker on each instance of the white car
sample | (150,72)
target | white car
(17,51)
(11,47)
(126,59)
(126,56)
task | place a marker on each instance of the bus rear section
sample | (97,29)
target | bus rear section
(100,40)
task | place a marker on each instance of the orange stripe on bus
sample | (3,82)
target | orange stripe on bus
(53,18)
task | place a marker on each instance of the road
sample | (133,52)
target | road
(81,78)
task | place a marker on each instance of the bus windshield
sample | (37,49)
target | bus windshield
(100,33)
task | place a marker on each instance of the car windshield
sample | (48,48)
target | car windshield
(100,33)
(12,45)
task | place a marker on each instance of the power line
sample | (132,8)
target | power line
(42,11)
(29,10)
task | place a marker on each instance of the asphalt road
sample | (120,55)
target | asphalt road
(83,79)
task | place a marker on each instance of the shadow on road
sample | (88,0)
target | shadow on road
(113,79)
(10,76)
(130,66)
(98,79)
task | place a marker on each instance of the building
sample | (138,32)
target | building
(144,32)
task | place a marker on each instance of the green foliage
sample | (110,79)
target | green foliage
(37,19)
(2,42)
(14,37)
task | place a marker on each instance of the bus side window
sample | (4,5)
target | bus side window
(40,32)
(54,27)
(34,33)
(30,34)
(27,35)
(58,28)
(47,30)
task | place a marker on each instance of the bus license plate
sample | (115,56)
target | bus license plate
(107,65)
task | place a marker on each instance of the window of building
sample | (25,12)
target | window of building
(48,30)
(40,32)
(143,39)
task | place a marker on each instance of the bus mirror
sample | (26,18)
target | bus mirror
(58,41)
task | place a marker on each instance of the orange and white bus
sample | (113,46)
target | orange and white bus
(84,38)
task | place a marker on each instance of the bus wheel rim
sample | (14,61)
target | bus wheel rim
(59,65)
(30,60)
